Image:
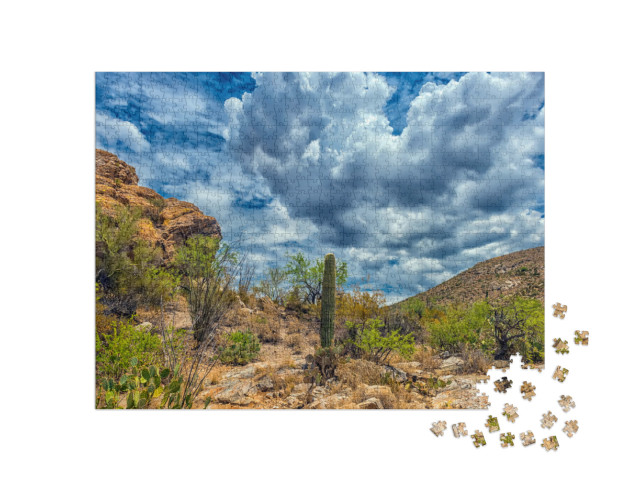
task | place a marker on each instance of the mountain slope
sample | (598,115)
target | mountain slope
(519,273)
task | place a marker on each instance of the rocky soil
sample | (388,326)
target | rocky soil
(281,378)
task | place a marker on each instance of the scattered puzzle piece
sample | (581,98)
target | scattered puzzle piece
(566,402)
(570,427)
(550,443)
(507,439)
(438,428)
(561,346)
(560,374)
(478,439)
(528,390)
(511,412)
(459,429)
(502,385)
(527,438)
(559,310)
(484,400)
(582,337)
(548,420)
(492,424)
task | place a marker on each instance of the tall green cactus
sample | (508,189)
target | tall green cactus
(328,308)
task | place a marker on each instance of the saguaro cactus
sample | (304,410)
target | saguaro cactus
(328,308)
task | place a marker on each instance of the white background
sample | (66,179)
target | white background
(50,53)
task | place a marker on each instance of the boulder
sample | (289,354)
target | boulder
(145,326)
(264,384)
(371,403)
(377,391)
(396,374)
(237,393)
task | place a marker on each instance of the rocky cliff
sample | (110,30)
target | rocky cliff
(165,222)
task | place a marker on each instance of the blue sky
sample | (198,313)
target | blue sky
(410,177)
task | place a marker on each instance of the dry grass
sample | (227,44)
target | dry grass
(475,361)
(358,371)
(427,358)
(386,396)
(267,329)
(295,342)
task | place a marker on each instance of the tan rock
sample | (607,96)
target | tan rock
(371,403)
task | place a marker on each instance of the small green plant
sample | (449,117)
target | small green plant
(139,386)
(240,348)
(370,340)
(115,350)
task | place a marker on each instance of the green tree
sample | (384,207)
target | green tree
(307,275)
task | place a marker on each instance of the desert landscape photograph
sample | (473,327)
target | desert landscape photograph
(324,240)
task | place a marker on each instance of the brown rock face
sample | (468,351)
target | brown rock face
(165,222)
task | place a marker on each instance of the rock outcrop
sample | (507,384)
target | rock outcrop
(167,223)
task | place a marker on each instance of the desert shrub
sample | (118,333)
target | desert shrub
(116,349)
(369,339)
(475,361)
(128,269)
(272,285)
(461,327)
(208,271)
(414,307)
(240,348)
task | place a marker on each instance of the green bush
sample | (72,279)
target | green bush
(240,348)
(370,340)
(459,329)
(115,350)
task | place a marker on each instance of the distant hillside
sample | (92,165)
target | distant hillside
(520,273)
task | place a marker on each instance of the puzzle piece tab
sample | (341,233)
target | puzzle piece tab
(527,438)
(582,337)
(566,402)
(502,385)
(560,346)
(506,439)
(559,310)
(550,443)
(560,374)
(528,390)
(548,420)
(511,412)
(570,427)
(439,428)
(492,424)
(459,429)
(478,439)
